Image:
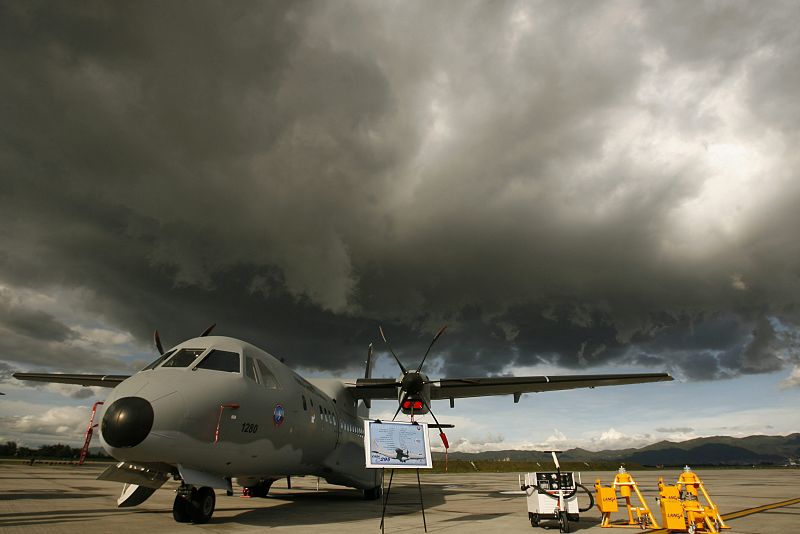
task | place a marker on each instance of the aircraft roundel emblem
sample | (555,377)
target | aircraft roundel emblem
(278,415)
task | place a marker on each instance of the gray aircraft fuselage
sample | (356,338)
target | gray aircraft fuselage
(212,425)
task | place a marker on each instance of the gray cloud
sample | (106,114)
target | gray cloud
(543,177)
(669,430)
(5,372)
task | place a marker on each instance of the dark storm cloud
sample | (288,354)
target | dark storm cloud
(300,172)
(34,324)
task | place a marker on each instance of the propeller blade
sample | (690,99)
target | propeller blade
(208,330)
(400,406)
(402,368)
(430,411)
(441,431)
(439,333)
(157,340)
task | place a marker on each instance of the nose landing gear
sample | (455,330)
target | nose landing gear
(193,505)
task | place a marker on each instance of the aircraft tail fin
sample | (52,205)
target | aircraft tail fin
(368,373)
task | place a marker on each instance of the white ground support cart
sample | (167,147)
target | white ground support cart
(553,495)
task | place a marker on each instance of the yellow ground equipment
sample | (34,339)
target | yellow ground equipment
(681,509)
(606,498)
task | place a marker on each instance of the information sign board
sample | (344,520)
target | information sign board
(397,445)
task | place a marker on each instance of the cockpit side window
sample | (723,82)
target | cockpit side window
(158,360)
(250,370)
(267,378)
(183,358)
(220,360)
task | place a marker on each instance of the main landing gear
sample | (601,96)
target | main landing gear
(193,505)
(373,493)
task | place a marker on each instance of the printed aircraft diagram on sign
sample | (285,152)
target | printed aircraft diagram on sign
(399,454)
(213,410)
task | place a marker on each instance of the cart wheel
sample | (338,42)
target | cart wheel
(534,519)
(563,522)
(691,529)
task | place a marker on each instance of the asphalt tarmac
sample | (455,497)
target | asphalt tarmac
(69,499)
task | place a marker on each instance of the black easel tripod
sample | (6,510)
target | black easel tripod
(386,500)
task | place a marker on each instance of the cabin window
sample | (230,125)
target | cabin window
(220,360)
(267,378)
(305,408)
(250,370)
(183,358)
(158,360)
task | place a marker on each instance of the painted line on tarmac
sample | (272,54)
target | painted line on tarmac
(742,513)
(749,511)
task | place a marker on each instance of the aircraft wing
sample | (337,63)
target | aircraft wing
(507,385)
(106,381)
(455,388)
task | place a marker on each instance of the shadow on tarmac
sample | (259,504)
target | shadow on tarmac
(330,506)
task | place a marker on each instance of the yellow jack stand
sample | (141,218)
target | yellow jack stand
(606,498)
(681,508)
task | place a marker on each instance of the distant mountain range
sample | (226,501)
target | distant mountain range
(716,450)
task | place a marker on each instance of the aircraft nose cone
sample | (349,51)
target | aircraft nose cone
(127,422)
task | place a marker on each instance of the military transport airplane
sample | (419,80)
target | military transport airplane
(215,409)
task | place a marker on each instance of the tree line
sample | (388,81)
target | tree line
(59,450)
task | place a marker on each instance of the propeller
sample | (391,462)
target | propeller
(413,382)
(208,330)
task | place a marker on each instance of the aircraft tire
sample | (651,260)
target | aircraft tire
(181,512)
(371,494)
(202,504)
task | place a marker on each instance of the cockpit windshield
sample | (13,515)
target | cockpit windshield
(183,358)
(220,360)
(158,360)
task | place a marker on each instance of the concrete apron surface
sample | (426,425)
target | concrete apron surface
(69,499)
